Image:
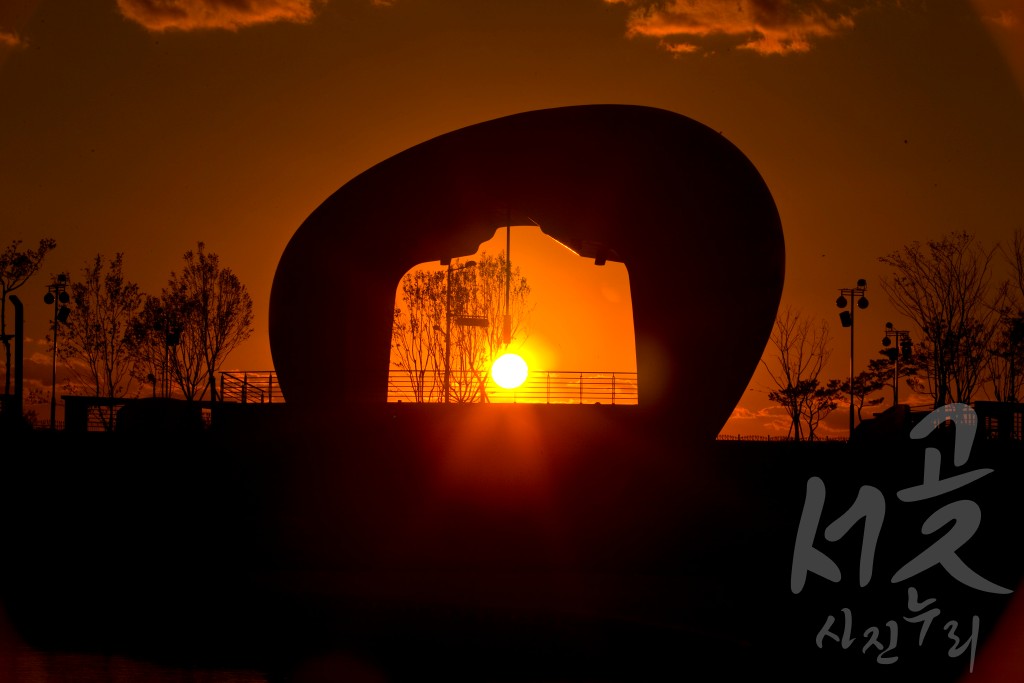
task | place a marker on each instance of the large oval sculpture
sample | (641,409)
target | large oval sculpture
(680,205)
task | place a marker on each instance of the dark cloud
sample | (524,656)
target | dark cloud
(763,26)
(187,15)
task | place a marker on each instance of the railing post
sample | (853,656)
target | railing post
(270,387)
(613,388)
(245,386)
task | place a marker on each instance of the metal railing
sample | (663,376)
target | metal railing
(250,386)
(541,386)
(781,437)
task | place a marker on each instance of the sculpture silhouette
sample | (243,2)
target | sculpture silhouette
(679,204)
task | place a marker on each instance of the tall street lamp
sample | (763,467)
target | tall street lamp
(57,295)
(506,321)
(902,338)
(172,335)
(846,318)
(448,326)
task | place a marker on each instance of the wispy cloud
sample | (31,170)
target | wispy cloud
(188,15)
(742,413)
(11,40)
(771,420)
(767,27)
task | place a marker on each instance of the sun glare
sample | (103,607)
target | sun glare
(509,371)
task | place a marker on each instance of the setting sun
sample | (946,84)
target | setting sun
(509,371)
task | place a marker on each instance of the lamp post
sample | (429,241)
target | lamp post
(846,318)
(506,321)
(172,335)
(448,326)
(902,338)
(57,295)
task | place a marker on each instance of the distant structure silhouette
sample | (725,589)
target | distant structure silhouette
(674,200)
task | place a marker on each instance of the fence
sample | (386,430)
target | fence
(251,386)
(776,437)
(543,386)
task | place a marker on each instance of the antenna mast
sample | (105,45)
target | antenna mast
(506,328)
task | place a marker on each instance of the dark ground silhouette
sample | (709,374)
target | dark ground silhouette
(266,547)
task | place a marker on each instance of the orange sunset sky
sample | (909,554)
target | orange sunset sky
(144,127)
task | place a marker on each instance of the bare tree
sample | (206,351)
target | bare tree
(483,297)
(882,375)
(97,343)
(801,352)
(16,267)
(154,332)
(865,383)
(1005,362)
(417,335)
(946,288)
(1006,357)
(820,403)
(1014,256)
(476,304)
(214,312)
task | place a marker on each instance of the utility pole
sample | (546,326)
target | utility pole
(506,321)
